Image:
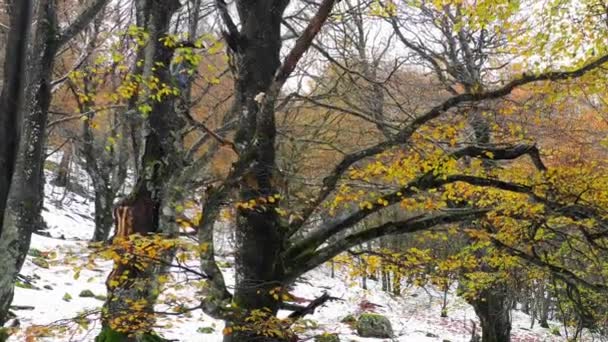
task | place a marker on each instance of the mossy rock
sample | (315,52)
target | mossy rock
(373,325)
(51,166)
(25,285)
(205,330)
(110,335)
(326,337)
(33,252)
(86,294)
(41,262)
(101,297)
(349,319)
(224,264)
(67,297)
(4,334)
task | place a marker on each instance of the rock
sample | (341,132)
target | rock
(23,285)
(224,264)
(33,252)
(205,330)
(40,262)
(109,335)
(374,325)
(326,337)
(43,233)
(349,319)
(428,334)
(48,287)
(4,334)
(67,297)
(101,297)
(86,294)
(14,323)
(22,307)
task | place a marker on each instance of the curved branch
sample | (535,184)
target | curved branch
(311,260)
(331,180)
(226,18)
(304,41)
(301,311)
(222,141)
(424,182)
(82,21)
(563,274)
(216,299)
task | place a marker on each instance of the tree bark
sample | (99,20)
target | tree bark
(11,98)
(24,199)
(259,236)
(149,202)
(104,203)
(24,202)
(543,303)
(63,171)
(493,309)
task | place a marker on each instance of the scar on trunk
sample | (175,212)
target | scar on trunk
(132,215)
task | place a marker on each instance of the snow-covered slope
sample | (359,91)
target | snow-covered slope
(415,315)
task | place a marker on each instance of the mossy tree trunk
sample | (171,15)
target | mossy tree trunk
(142,211)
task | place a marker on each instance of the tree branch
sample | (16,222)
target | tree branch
(559,272)
(304,42)
(310,260)
(82,21)
(331,180)
(227,19)
(426,181)
(210,132)
(216,299)
(301,311)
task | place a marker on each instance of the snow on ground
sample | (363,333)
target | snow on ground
(415,315)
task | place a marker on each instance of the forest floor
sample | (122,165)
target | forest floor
(50,293)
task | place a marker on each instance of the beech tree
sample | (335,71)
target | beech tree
(270,251)
(11,99)
(24,200)
(433,161)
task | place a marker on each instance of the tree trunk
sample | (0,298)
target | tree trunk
(104,203)
(11,98)
(544,303)
(24,201)
(385,281)
(444,304)
(105,166)
(492,306)
(63,171)
(396,284)
(259,235)
(140,212)
(258,273)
